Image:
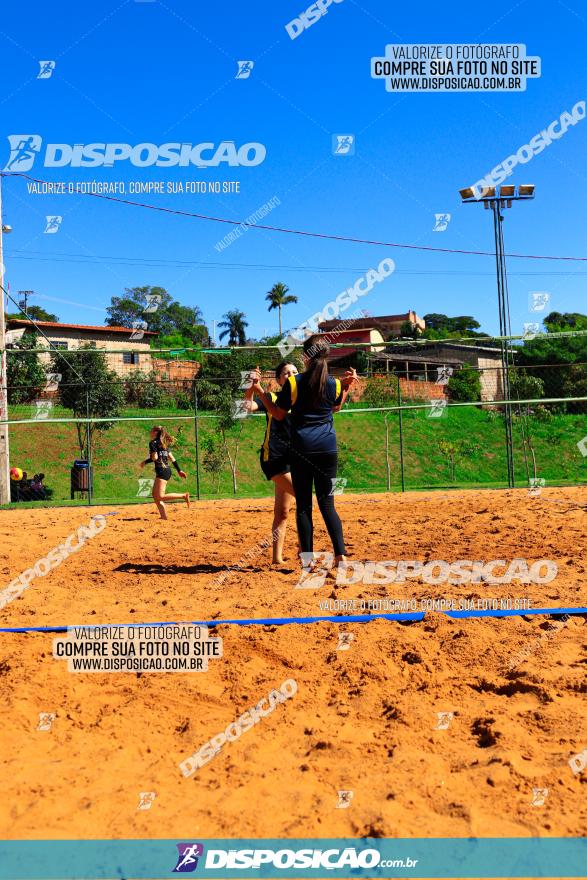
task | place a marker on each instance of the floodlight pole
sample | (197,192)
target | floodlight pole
(505,333)
(498,198)
(4,446)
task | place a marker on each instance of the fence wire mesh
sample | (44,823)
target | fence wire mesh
(422,416)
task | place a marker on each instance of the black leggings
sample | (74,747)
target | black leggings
(317,469)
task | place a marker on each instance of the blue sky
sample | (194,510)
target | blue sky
(156,72)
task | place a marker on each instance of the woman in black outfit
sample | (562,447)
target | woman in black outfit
(311,398)
(159,454)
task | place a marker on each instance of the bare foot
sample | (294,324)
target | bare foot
(187,498)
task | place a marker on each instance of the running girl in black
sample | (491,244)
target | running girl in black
(274,456)
(312,398)
(159,454)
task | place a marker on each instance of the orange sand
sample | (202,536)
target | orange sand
(363,719)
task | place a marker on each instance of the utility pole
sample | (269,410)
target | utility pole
(4,450)
(25,294)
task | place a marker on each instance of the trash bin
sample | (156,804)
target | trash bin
(81,477)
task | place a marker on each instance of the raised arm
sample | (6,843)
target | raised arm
(271,408)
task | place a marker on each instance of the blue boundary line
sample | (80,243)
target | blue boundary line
(414,617)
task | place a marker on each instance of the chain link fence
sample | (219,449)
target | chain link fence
(423,416)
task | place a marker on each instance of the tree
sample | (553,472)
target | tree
(380,391)
(177,342)
(25,376)
(409,330)
(465,385)
(234,324)
(36,313)
(524,386)
(88,388)
(439,326)
(561,321)
(278,297)
(557,361)
(230,430)
(212,459)
(157,308)
(454,451)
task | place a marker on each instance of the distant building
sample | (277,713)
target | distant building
(386,325)
(123,353)
(431,362)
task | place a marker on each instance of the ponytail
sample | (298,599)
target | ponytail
(165,439)
(317,349)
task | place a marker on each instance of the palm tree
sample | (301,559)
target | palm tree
(234,322)
(277,297)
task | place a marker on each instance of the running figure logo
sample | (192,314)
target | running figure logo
(23,151)
(441,222)
(443,375)
(46,719)
(46,71)
(539,796)
(244,69)
(343,145)
(437,409)
(146,799)
(138,330)
(187,860)
(344,799)
(313,575)
(444,720)
(538,300)
(54,221)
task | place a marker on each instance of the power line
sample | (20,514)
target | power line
(301,232)
(162,262)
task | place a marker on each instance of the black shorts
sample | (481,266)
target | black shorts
(275,466)
(163,473)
